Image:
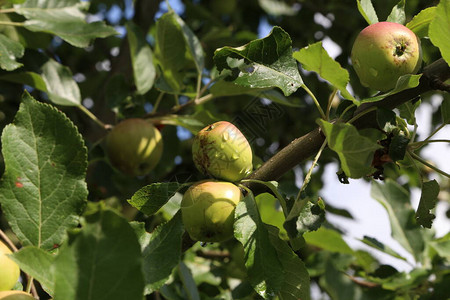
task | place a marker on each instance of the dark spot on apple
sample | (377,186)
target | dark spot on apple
(400,49)
(143,166)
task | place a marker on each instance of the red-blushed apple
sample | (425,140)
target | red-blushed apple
(15,295)
(207,210)
(384,51)
(9,270)
(222,151)
(134,146)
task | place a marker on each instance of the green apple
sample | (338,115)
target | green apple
(134,146)
(383,52)
(207,210)
(222,151)
(9,270)
(15,295)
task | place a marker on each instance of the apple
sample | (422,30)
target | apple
(207,210)
(15,295)
(134,146)
(9,270)
(222,151)
(383,52)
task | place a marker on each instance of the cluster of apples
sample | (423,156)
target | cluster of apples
(9,274)
(207,208)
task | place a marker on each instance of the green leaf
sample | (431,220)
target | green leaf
(354,150)
(162,253)
(445,110)
(277,8)
(101,261)
(269,211)
(61,87)
(374,243)
(407,111)
(188,282)
(29,78)
(398,146)
(328,239)
(439,30)
(421,22)
(10,50)
(367,10)
(141,59)
(397,14)
(339,285)
(262,63)
(395,200)
(304,216)
(315,58)
(265,270)
(176,48)
(442,246)
(38,264)
(64,19)
(428,199)
(296,278)
(151,198)
(42,191)
(386,119)
(403,83)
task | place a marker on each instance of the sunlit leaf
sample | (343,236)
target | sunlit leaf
(262,63)
(397,14)
(439,30)
(421,22)
(367,10)
(43,189)
(315,58)
(354,150)
(374,243)
(9,51)
(328,239)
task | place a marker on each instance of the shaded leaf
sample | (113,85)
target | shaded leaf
(265,270)
(29,78)
(367,10)
(374,243)
(428,199)
(397,14)
(421,22)
(38,264)
(104,259)
(262,63)
(64,19)
(339,285)
(403,83)
(163,253)
(445,110)
(395,200)
(354,150)
(397,147)
(296,277)
(151,198)
(439,30)
(407,111)
(315,58)
(10,50)
(43,189)
(141,59)
(189,285)
(304,216)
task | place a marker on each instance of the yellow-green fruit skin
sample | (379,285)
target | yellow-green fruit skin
(9,270)
(207,210)
(222,151)
(384,51)
(134,146)
(15,295)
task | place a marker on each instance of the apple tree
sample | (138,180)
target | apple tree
(178,149)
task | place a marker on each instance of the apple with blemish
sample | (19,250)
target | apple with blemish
(384,51)
(222,151)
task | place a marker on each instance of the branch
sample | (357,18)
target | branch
(306,146)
